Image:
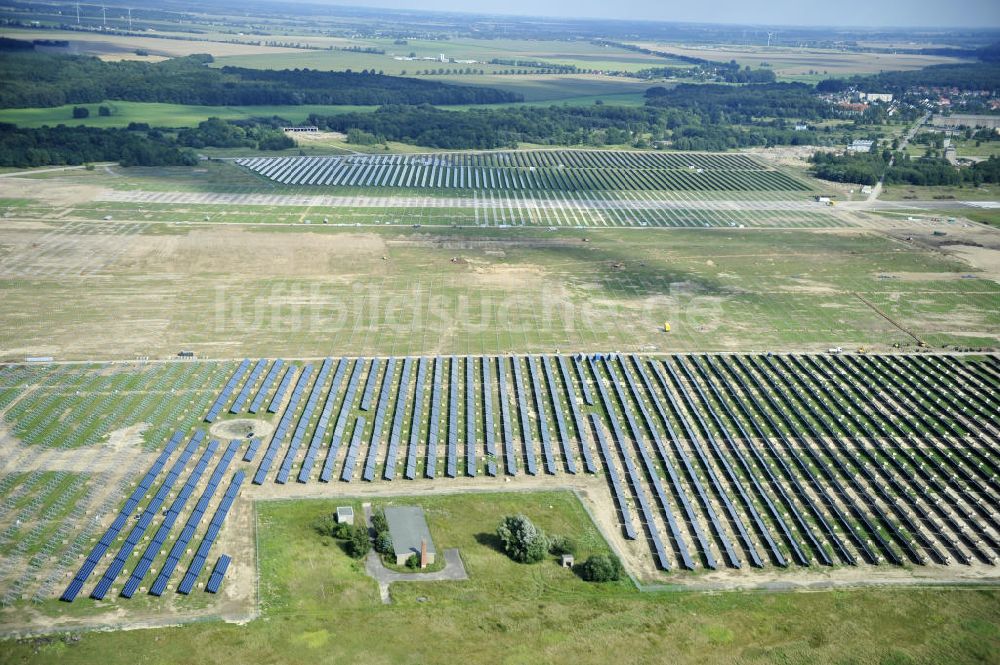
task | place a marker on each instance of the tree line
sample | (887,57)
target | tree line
(868,168)
(69,146)
(44,80)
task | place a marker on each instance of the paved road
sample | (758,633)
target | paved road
(454,570)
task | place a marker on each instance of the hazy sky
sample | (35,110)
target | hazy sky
(901,13)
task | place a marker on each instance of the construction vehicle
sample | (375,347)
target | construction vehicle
(862,350)
(666,326)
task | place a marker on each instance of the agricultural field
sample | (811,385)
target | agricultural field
(805,64)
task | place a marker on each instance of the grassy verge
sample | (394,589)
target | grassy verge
(320,607)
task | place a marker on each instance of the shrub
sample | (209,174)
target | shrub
(81,112)
(560,545)
(341,530)
(383,542)
(379,522)
(359,545)
(602,568)
(413,562)
(522,540)
(103,111)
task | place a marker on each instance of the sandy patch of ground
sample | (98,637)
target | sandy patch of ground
(238,429)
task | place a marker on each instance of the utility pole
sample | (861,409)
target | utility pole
(130,19)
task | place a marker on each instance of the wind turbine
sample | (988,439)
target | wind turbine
(770,36)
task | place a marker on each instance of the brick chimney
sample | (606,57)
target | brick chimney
(423,553)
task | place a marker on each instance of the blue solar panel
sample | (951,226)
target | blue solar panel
(241,398)
(543,425)
(771,479)
(251,449)
(279,394)
(430,466)
(324,422)
(119,522)
(145,519)
(389,472)
(201,555)
(269,379)
(303,424)
(218,573)
(588,397)
(470,418)
(366,397)
(227,390)
(487,384)
(351,458)
(614,478)
(380,411)
(578,422)
(509,450)
(560,420)
(342,418)
(282,429)
(190,526)
(635,479)
(728,468)
(416,420)
(452,456)
(153,548)
(525,421)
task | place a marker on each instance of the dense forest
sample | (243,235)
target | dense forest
(966,77)
(24,148)
(492,128)
(868,168)
(37,79)
(738,104)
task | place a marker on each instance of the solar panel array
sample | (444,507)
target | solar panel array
(153,548)
(145,519)
(380,411)
(248,385)
(279,394)
(324,421)
(342,419)
(282,429)
(194,519)
(451,465)
(97,553)
(430,464)
(218,573)
(300,429)
(227,390)
(550,170)
(781,459)
(198,562)
(265,386)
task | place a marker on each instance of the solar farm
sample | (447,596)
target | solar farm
(737,462)
(726,383)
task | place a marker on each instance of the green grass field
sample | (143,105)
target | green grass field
(318,606)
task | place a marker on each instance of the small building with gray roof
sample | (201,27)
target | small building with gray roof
(409,533)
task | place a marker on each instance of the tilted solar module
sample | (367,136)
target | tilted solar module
(97,553)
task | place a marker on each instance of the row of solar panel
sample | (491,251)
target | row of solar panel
(139,572)
(342,419)
(218,573)
(283,424)
(198,562)
(145,519)
(119,522)
(227,390)
(191,525)
(248,385)
(300,429)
